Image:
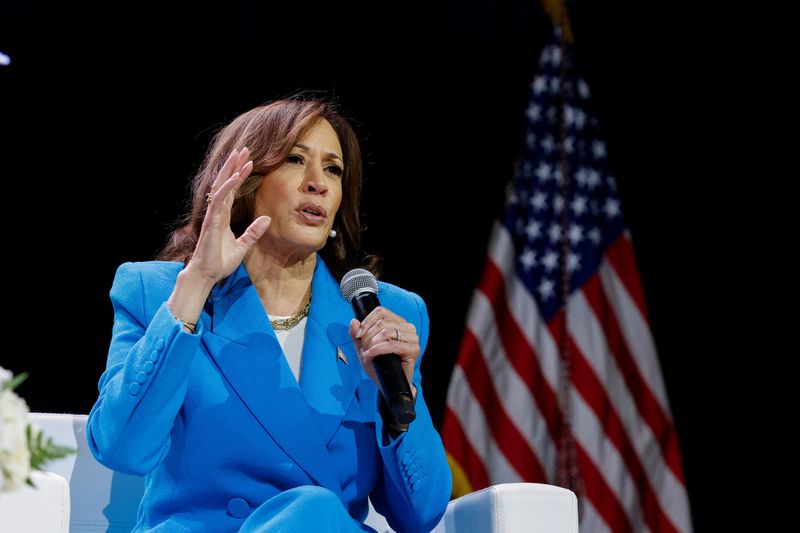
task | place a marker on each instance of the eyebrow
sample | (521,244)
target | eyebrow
(329,154)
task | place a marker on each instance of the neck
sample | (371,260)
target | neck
(282,279)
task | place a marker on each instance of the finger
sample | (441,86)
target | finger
(373,318)
(406,351)
(244,173)
(218,197)
(225,171)
(390,335)
(254,232)
(386,328)
(354,325)
(244,153)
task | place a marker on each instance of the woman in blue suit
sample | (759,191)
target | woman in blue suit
(238,380)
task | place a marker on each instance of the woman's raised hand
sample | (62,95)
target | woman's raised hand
(218,252)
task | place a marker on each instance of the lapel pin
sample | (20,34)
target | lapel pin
(340,355)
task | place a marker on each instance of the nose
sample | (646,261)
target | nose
(315,180)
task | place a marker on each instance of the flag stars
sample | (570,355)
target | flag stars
(583,89)
(530,140)
(533,112)
(569,145)
(595,236)
(555,55)
(550,260)
(539,86)
(612,208)
(554,232)
(543,172)
(558,205)
(580,119)
(592,179)
(581,176)
(548,144)
(528,259)
(539,201)
(533,230)
(575,234)
(578,205)
(573,262)
(599,149)
(546,289)
(527,169)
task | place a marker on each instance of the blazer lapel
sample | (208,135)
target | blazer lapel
(328,380)
(244,347)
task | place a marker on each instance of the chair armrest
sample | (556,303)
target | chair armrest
(513,508)
(44,509)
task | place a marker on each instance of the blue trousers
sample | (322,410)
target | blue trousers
(302,509)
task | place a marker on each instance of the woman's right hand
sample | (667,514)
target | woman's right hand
(218,252)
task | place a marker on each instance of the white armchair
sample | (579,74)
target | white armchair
(99,499)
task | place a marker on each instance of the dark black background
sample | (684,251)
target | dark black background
(107,111)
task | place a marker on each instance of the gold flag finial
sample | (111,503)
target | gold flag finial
(557,8)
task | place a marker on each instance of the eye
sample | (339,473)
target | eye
(335,169)
(294,158)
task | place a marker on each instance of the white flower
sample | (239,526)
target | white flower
(5,376)
(15,457)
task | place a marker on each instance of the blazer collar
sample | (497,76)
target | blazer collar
(302,417)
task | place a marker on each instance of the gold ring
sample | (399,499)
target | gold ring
(398,334)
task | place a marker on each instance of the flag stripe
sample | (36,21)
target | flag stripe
(594,394)
(506,434)
(518,402)
(636,332)
(473,423)
(636,392)
(606,461)
(591,339)
(459,447)
(590,519)
(521,356)
(524,308)
(620,255)
(602,495)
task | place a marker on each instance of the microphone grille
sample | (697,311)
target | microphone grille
(357,281)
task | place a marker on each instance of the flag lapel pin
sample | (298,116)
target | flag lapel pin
(340,355)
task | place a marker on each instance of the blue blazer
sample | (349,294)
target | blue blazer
(218,424)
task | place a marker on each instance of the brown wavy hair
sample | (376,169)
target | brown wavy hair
(270,131)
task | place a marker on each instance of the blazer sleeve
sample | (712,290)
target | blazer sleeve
(415,487)
(145,380)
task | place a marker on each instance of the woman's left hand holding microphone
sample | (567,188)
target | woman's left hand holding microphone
(384,332)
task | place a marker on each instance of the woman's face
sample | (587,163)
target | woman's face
(303,195)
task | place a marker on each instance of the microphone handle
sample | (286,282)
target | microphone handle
(395,388)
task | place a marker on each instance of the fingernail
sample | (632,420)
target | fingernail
(359,333)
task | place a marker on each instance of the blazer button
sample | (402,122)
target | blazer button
(160,344)
(238,508)
(134,388)
(141,377)
(148,367)
(154,356)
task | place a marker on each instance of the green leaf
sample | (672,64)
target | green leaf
(16,381)
(43,452)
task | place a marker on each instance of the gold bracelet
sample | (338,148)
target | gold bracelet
(189,325)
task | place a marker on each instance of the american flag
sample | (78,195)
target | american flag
(565,392)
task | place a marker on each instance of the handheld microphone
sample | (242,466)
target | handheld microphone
(360,288)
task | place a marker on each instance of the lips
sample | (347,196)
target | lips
(312,214)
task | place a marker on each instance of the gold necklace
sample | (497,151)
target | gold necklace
(292,321)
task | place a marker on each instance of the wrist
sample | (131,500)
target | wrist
(189,276)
